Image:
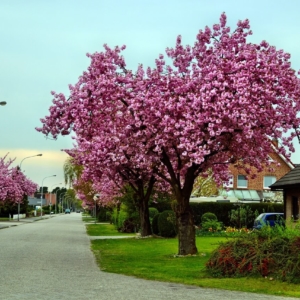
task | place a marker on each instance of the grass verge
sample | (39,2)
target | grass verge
(104,230)
(155,259)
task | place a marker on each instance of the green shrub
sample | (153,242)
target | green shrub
(211,225)
(155,229)
(208,217)
(243,216)
(271,251)
(152,212)
(167,224)
(118,217)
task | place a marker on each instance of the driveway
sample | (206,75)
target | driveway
(51,259)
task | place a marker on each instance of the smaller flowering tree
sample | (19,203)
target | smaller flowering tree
(109,175)
(14,184)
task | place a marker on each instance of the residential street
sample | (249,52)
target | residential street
(51,259)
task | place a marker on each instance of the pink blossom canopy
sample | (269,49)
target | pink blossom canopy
(221,100)
(14,184)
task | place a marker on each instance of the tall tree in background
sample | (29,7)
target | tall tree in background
(72,171)
(205,185)
(221,100)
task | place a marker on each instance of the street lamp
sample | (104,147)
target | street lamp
(2,103)
(42,192)
(62,194)
(21,170)
(56,201)
(51,194)
(96,197)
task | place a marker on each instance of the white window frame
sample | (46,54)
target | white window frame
(273,180)
(238,182)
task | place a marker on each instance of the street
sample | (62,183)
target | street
(51,259)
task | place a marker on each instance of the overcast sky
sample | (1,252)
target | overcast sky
(43,47)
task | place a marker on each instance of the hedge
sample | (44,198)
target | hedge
(222,210)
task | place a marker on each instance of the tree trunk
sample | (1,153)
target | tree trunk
(186,231)
(144,217)
(143,200)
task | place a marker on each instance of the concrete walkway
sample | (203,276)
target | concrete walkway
(12,223)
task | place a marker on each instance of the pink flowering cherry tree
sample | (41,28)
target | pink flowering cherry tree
(110,172)
(14,184)
(221,101)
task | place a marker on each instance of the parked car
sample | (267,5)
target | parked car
(270,219)
(67,211)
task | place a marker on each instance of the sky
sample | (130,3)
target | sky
(44,45)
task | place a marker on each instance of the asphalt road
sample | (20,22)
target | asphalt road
(51,259)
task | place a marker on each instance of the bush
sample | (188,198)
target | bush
(167,224)
(152,212)
(272,252)
(118,217)
(208,217)
(155,229)
(243,216)
(211,225)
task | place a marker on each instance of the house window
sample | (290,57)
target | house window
(268,180)
(242,181)
(229,183)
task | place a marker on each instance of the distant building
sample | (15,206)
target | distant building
(258,189)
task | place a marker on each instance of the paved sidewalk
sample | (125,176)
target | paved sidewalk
(7,224)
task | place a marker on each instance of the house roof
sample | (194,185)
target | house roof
(292,178)
(283,157)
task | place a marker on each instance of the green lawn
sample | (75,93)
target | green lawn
(88,219)
(155,259)
(104,230)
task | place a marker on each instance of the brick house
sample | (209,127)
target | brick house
(290,185)
(258,189)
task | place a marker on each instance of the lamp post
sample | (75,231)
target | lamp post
(2,103)
(42,193)
(21,170)
(51,194)
(56,201)
(96,197)
(61,201)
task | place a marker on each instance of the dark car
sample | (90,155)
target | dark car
(67,211)
(270,219)
(78,211)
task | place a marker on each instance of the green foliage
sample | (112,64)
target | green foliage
(155,229)
(167,224)
(205,185)
(118,217)
(208,217)
(272,252)
(243,216)
(152,212)
(222,210)
(104,214)
(211,225)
